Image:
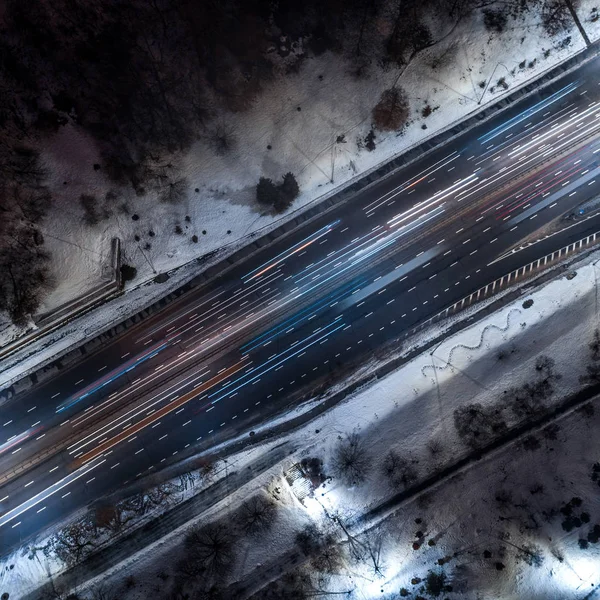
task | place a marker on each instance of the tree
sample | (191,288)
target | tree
(311,540)
(175,191)
(289,188)
(329,560)
(494,20)
(437,583)
(257,514)
(391,112)
(350,459)
(212,545)
(555,17)
(398,470)
(73,542)
(266,192)
(476,425)
(103,592)
(24,275)
(111,516)
(222,138)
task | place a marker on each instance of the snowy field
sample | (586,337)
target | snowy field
(312,123)
(412,412)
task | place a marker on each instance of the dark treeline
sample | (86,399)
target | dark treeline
(145,78)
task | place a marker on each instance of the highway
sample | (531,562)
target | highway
(328,294)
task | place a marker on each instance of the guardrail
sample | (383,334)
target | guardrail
(75,307)
(519,274)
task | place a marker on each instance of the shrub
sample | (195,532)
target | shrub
(436,583)
(128,272)
(370,141)
(279,197)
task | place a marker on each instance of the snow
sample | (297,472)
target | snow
(332,103)
(466,367)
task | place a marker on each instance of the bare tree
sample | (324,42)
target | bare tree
(477,425)
(72,543)
(212,545)
(392,110)
(351,460)
(222,138)
(257,514)
(398,470)
(111,516)
(174,191)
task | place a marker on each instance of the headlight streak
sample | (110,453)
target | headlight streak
(531,196)
(437,197)
(15,440)
(553,197)
(490,135)
(509,171)
(301,316)
(159,414)
(180,315)
(307,241)
(112,376)
(373,206)
(339,254)
(136,411)
(240,294)
(524,135)
(569,122)
(321,330)
(45,494)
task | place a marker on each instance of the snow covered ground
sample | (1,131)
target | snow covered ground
(412,412)
(311,123)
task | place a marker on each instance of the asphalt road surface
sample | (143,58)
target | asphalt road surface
(329,294)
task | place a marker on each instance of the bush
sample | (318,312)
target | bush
(391,112)
(494,20)
(313,470)
(370,141)
(289,189)
(128,272)
(24,275)
(350,460)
